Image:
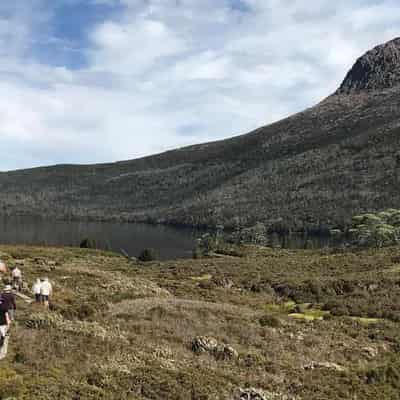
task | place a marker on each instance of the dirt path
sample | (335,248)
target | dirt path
(4,348)
(24,297)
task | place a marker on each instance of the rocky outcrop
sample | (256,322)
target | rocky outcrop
(258,394)
(206,344)
(251,394)
(378,69)
(324,365)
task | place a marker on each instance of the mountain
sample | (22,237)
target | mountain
(314,169)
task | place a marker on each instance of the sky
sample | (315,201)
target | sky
(89,81)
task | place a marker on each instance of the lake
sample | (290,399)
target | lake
(169,242)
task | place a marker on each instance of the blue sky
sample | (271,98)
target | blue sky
(87,81)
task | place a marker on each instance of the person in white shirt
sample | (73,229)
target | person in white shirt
(16,275)
(36,290)
(46,291)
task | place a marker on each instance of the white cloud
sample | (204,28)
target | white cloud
(166,73)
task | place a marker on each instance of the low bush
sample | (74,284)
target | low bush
(88,244)
(147,255)
(270,320)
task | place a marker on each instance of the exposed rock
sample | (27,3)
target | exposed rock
(377,69)
(258,394)
(251,394)
(325,365)
(205,344)
(370,352)
(225,352)
(37,323)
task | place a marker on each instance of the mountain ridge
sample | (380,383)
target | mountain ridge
(376,69)
(311,170)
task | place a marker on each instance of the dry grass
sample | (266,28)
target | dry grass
(123,331)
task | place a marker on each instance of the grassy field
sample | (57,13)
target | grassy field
(294,324)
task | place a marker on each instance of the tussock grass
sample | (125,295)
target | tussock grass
(120,331)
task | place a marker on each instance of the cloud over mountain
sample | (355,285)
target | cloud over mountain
(102,80)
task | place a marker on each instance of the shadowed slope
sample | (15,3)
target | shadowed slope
(313,169)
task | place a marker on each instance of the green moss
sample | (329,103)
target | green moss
(310,315)
(304,317)
(281,308)
(366,321)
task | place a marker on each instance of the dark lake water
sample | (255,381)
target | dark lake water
(169,242)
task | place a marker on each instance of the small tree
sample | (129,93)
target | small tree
(376,230)
(205,245)
(147,255)
(256,234)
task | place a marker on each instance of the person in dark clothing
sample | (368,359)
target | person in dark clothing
(5,323)
(8,301)
(4,319)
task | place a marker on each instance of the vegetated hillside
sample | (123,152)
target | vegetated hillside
(316,168)
(293,325)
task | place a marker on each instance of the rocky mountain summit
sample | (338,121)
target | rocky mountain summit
(311,171)
(378,69)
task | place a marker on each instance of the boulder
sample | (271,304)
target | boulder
(225,352)
(252,394)
(210,345)
(204,344)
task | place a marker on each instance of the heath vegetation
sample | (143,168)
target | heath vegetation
(305,324)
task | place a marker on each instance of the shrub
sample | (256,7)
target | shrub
(208,243)
(256,234)
(148,255)
(270,320)
(376,230)
(88,244)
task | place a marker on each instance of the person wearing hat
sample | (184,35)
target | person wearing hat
(16,275)
(46,291)
(8,300)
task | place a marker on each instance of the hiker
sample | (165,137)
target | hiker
(8,300)
(5,323)
(16,275)
(3,268)
(45,291)
(36,290)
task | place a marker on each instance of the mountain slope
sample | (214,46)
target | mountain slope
(313,169)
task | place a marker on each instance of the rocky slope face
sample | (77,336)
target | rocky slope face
(377,69)
(314,169)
